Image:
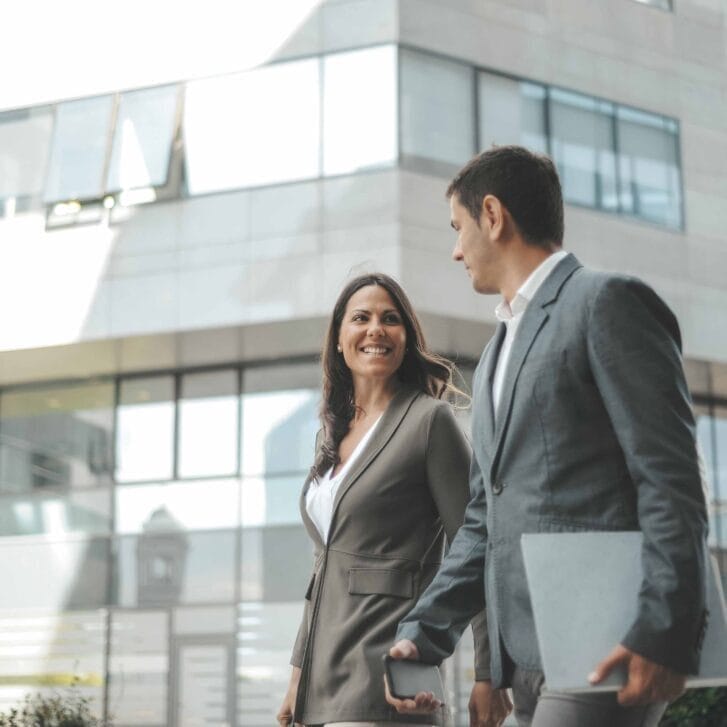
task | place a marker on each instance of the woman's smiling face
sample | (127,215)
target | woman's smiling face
(372,335)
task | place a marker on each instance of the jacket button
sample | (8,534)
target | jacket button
(497,488)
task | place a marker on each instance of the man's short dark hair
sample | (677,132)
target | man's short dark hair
(527,184)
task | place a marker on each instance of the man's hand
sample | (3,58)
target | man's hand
(488,707)
(424,702)
(647,681)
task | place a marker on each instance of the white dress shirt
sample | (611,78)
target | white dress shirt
(512,313)
(322,493)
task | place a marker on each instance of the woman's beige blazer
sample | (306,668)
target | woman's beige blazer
(406,491)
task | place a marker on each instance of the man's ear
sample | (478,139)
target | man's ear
(493,216)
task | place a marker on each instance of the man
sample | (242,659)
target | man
(581,421)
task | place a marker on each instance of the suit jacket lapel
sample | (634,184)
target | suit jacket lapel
(490,356)
(532,323)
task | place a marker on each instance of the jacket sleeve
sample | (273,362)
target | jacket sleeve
(448,461)
(457,592)
(296,658)
(634,350)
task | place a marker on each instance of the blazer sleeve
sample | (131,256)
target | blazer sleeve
(634,349)
(456,594)
(448,459)
(296,658)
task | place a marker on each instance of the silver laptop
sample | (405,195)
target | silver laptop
(584,589)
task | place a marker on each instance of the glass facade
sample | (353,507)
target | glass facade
(150,527)
(311,118)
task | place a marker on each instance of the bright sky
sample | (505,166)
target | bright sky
(51,49)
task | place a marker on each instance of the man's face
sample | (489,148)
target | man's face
(480,255)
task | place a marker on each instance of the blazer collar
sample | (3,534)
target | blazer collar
(390,421)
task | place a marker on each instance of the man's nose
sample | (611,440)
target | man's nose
(457,252)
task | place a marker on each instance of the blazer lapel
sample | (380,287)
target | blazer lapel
(390,420)
(532,323)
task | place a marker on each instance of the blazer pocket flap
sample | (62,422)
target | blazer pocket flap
(382,581)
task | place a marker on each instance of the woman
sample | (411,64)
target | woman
(390,478)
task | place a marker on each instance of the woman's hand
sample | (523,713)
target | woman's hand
(488,707)
(287,708)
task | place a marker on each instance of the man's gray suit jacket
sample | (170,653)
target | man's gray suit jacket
(594,431)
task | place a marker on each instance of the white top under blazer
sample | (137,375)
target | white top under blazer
(322,493)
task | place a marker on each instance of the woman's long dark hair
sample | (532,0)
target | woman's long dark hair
(421,369)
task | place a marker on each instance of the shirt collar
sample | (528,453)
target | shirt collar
(526,292)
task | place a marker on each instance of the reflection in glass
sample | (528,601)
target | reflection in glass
(437,114)
(56,437)
(145,429)
(254,128)
(649,167)
(208,413)
(142,138)
(203,680)
(511,112)
(278,431)
(24,144)
(86,512)
(200,505)
(78,151)
(43,650)
(583,149)
(265,639)
(57,575)
(271,501)
(167,565)
(354,84)
(139,667)
(277,562)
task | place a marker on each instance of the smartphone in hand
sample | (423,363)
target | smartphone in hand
(406,678)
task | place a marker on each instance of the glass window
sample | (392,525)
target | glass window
(167,565)
(24,144)
(583,149)
(649,167)
(78,149)
(86,512)
(254,128)
(139,667)
(277,563)
(437,109)
(511,112)
(54,574)
(271,501)
(207,504)
(56,437)
(662,4)
(720,477)
(278,431)
(44,651)
(208,431)
(359,110)
(145,429)
(143,138)
(266,634)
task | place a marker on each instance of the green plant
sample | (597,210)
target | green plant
(698,708)
(70,709)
